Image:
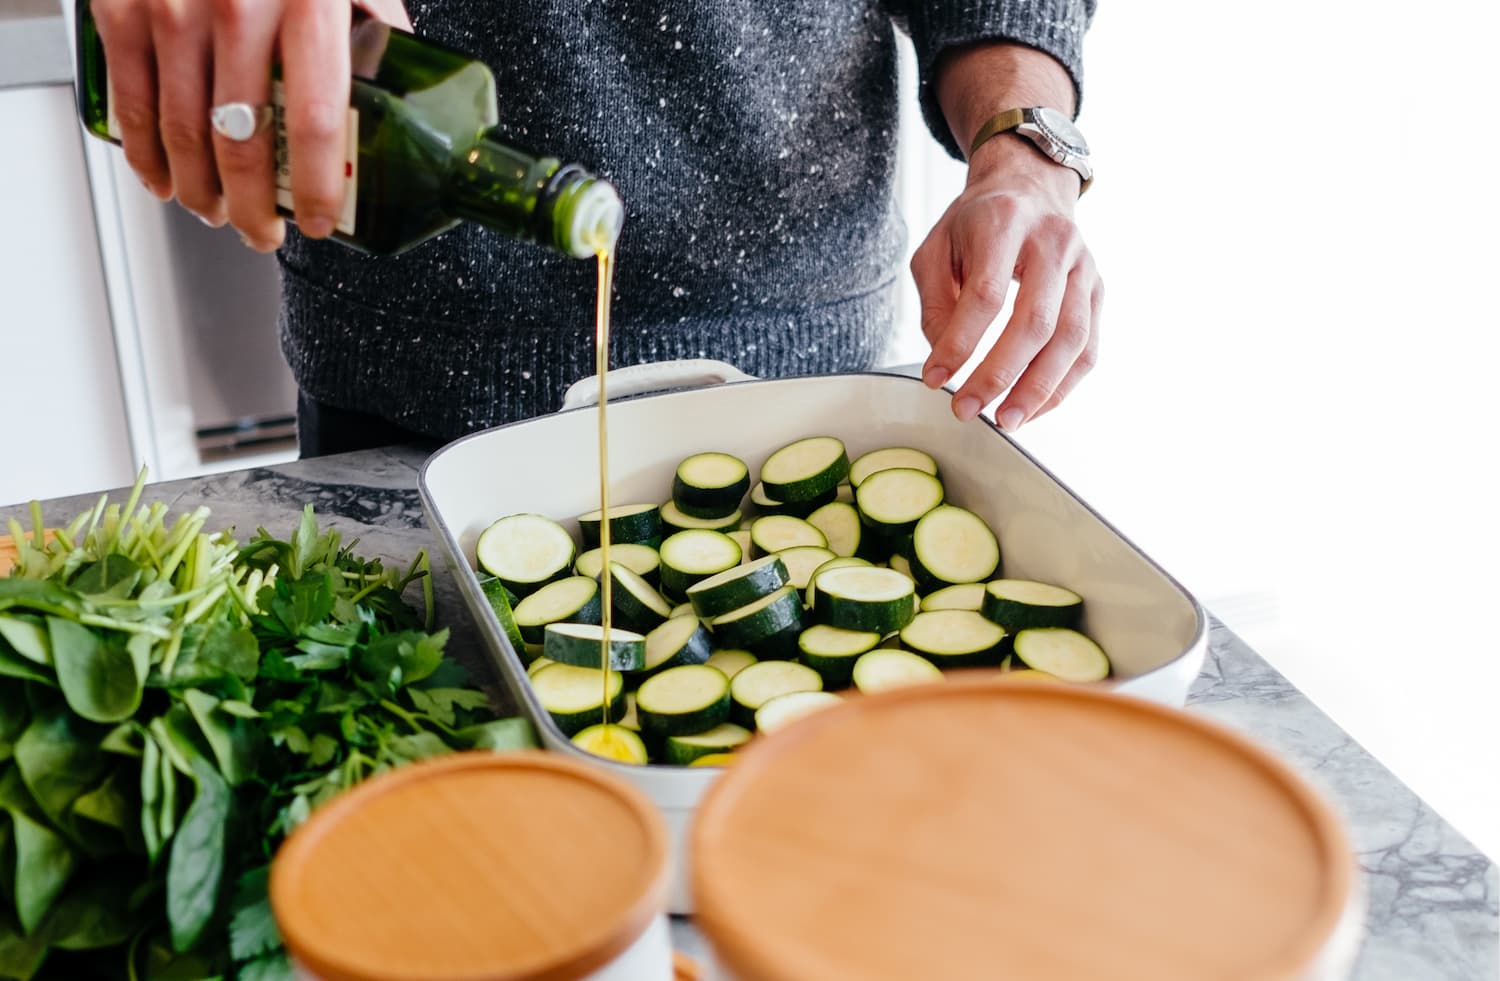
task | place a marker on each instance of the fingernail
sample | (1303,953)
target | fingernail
(967,408)
(317,227)
(157,191)
(935,376)
(1011,419)
(211,222)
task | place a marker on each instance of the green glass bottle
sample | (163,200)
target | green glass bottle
(420,159)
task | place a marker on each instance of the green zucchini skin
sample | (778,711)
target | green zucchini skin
(797,483)
(784,676)
(502,601)
(683,750)
(627,649)
(698,500)
(873,616)
(641,527)
(534,632)
(673,520)
(694,649)
(571,721)
(675,579)
(915,637)
(635,602)
(875,496)
(836,668)
(777,613)
(780,646)
(737,587)
(665,722)
(797,509)
(1016,615)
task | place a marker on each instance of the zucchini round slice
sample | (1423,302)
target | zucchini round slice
(832,652)
(571,600)
(802,561)
(838,563)
(886,668)
(783,710)
(968,596)
(681,640)
(899,563)
(714,759)
(741,538)
(525,552)
(613,742)
(674,520)
(574,696)
(582,644)
(643,560)
(683,700)
(538,664)
(685,750)
(866,598)
(1063,653)
(636,603)
(893,501)
(845,493)
(501,600)
(710,485)
(629,524)
(805,469)
(1021,604)
(682,609)
(759,683)
(731,661)
(840,525)
(737,587)
(955,638)
(951,545)
(778,532)
(766,504)
(692,556)
(758,622)
(890,458)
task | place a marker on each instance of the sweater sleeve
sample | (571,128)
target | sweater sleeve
(1055,27)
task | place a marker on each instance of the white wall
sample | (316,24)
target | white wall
(1295,410)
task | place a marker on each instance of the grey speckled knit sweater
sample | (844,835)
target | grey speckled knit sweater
(754,143)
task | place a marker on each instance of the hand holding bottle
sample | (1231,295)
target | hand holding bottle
(171,62)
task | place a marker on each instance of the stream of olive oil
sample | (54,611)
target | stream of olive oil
(606,259)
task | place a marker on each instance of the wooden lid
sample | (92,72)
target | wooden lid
(476,865)
(1014,829)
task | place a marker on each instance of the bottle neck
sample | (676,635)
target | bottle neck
(542,200)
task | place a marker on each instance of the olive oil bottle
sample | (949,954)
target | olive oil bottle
(420,157)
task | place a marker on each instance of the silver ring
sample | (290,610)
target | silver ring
(239,121)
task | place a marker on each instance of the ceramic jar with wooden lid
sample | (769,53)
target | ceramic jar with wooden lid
(1019,830)
(518,866)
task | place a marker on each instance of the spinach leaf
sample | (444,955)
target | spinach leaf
(100,679)
(96,912)
(21,955)
(195,867)
(14,666)
(38,595)
(114,575)
(212,651)
(27,638)
(44,861)
(231,739)
(14,715)
(59,759)
(150,789)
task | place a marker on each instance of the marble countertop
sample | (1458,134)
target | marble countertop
(1433,900)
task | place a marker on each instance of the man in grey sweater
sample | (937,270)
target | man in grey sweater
(754,144)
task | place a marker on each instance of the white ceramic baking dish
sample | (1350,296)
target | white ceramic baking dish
(1154,631)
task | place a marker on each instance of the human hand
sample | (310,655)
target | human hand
(171,61)
(1014,220)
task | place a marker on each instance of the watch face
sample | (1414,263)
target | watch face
(1061,129)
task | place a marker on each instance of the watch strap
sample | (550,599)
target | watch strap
(999,123)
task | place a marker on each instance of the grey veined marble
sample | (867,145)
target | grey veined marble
(1432,911)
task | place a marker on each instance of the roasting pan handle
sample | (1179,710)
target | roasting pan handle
(654,376)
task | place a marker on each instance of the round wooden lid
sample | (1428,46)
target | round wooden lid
(476,865)
(1019,830)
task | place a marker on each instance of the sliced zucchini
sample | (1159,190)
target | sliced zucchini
(757,622)
(832,652)
(840,525)
(955,638)
(845,493)
(778,532)
(643,560)
(885,668)
(805,469)
(1063,653)
(685,750)
(501,601)
(804,560)
(836,563)
(759,683)
(710,485)
(951,545)
(967,596)
(582,644)
(741,538)
(714,759)
(692,556)
(893,501)
(1030,674)
(525,552)
(737,587)
(783,710)
(613,742)
(682,609)
(765,504)
(731,661)
(683,700)
(899,563)
(629,719)
(681,640)
(571,600)
(1021,604)
(537,664)
(636,603)
(890,458)
(574,696)
(866,598)
(629,524)
(674,520)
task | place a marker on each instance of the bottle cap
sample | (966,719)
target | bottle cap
(596,218)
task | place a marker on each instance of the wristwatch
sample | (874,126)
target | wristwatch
(1049,131)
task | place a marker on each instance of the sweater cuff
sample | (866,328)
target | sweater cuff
(1055,27)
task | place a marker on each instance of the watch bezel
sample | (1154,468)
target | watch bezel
(1058,128)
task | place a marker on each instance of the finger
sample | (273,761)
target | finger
(1030,327)
(244,37)
(932,273)
(125,31)
(1056,358)
(392,12)
(315,67)
(1086,360)
(989,263)
(180,33)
